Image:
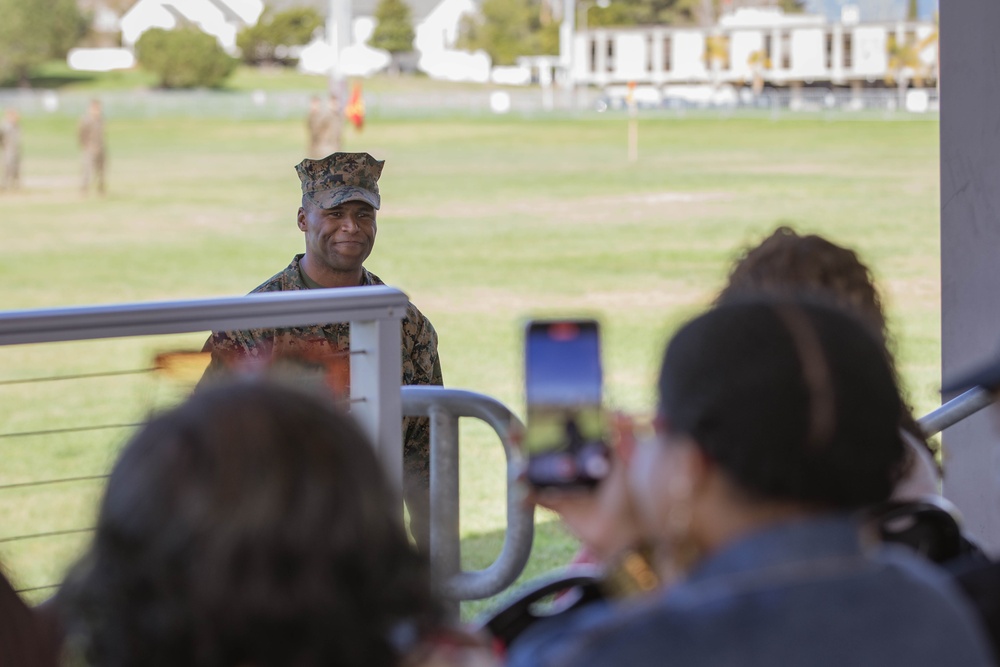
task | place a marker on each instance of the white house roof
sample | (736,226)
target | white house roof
(220,18)
(418,8)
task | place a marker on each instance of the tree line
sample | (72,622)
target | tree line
(35,31)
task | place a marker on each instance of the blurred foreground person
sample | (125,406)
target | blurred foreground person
(251,526)
(788,263)
(10,150)
(91,137)
(778,422)
(24,637)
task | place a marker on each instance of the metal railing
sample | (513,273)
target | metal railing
(373,312)
(444,407)
(376,401)
(956,410)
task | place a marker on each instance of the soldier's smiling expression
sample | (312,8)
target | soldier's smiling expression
(340,238)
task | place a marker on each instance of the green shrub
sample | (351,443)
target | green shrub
(184,58)
(261,43)
(33,31)
(394,28)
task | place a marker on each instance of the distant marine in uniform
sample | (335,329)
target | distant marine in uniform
(324,125)
(10,150)
(91,138)
(340,197)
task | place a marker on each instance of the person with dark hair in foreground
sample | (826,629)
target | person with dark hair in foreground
(778,421)
(24,637)
(251,526)
(787,262)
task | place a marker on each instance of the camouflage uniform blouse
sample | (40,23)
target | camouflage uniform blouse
(419,351)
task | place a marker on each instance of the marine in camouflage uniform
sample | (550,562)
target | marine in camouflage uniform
(10,150)
(91,138)
(339,200)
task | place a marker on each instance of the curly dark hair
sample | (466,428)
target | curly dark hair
(252,525)
(787,263)
(793,399)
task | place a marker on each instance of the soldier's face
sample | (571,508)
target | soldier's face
(341,237)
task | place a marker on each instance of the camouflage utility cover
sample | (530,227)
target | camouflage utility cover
(420,362)
(341,177)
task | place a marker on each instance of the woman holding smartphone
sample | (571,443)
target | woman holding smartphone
(778,422)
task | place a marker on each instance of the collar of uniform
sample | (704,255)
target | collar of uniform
(300,280)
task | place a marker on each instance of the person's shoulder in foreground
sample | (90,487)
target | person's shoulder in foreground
(803,594)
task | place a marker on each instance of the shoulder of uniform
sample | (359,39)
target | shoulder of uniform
(414,315)
(287,279)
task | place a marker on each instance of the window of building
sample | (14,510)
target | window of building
(609,63)
(848,54)
(786,51)
(667,60)
(829,51)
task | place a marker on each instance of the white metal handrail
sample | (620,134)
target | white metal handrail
(374,313)
(444,407)
(956,410)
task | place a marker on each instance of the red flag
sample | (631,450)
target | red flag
(355,110)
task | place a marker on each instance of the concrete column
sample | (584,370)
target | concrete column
(970,248)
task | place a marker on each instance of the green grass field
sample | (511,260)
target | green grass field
(485,222)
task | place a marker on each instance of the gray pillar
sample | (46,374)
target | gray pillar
(970,247)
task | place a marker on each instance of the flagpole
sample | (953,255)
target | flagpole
(338,36)
(633,123)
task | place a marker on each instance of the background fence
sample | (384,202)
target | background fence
(473,100)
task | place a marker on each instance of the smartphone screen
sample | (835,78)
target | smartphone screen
(566,427)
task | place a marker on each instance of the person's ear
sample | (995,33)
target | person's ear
(302,219)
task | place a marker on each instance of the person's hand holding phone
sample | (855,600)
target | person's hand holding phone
(603,518)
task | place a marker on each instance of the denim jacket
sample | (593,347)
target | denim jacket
(800,593)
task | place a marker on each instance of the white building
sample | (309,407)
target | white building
(436,35)
(782,49)
(223,19)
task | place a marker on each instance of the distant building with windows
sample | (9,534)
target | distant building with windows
(762,45)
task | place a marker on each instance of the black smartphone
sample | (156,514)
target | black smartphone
(566,431)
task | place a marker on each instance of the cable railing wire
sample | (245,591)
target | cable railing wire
(76,376)
(70,429)
(37,588)
(44,482)
(51,533)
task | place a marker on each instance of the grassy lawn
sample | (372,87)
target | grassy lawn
(485,223)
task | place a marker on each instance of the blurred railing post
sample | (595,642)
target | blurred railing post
(375,401)
(445,406)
